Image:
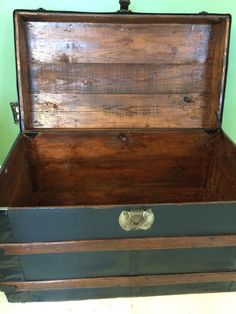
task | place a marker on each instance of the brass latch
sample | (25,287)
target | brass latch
(141,219)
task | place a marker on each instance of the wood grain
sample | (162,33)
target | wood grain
(152,181)
(117,42)
(160,243)
(23,81)
(119,167)
(125,195)
(15,178)
(46,16)
(221,179)
(118,78)
(118,144)
(220,40)
(119,110)
(154,58)
(131,281)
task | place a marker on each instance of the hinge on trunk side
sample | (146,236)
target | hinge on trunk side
(15,111)
(41,9)
(2,252)
(124,6)
(203,13)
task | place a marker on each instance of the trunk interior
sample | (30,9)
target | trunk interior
(119,167)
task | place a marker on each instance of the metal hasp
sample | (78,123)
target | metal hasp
(141,219)
(15,111)
(124,6)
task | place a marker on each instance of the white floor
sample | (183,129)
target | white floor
(217,303)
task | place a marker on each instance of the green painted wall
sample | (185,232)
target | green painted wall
(8,131)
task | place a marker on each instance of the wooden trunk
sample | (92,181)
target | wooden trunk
(121,182)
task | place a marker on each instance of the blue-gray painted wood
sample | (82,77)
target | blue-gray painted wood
(5,228)
(98,293)
(125,263)
(10,266)
(38,224)
(75,265)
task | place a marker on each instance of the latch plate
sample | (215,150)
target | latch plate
(141,219)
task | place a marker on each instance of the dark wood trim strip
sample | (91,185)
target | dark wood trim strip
(132,281)
(158,243)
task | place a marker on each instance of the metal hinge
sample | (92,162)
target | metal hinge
(41,9)
(15,111)
(203,13)
(124,6)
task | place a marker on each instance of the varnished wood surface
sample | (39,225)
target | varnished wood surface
(147,71)
(218,81)
(96,78)
(222,173)
(126,145)
(119,167)
(160,243)
(119,110)
(23,82)
(98,42)
(59,16)
(131,281)
(15,178)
